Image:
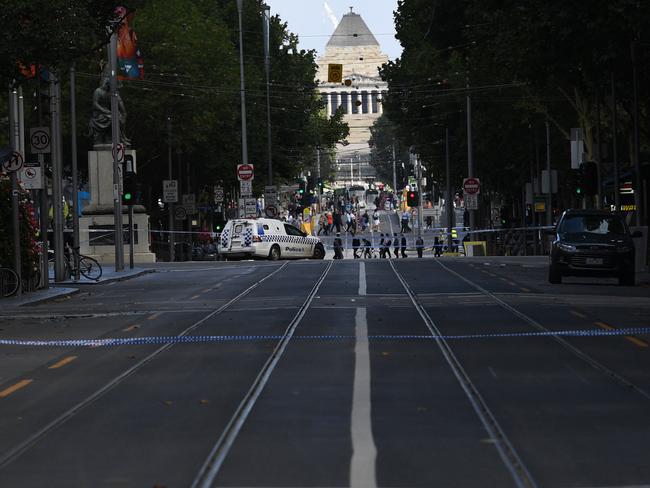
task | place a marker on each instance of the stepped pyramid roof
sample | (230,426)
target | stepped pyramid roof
(352,31)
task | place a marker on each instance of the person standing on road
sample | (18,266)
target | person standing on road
(337,221)
(403,246)
(382,251)
(387,243)
(330,223)
(406,217)
(375,221)
(396,245)
(419,246)
(338,247)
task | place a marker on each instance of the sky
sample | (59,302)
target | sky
(315,20)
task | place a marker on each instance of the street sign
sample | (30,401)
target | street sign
(334,73)
(271,211)
(31,176)
(180,213)
(39,140)
(118,152)
(471,186)
(540,204)
(170,191)
(247,207)
(471,201)
(245,172)
(13,163)
(189,203)
(246,188)
(270,194)
(218,194)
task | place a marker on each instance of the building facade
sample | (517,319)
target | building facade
(360,95)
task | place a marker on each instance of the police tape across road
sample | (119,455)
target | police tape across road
(139,341)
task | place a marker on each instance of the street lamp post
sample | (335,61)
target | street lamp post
(267,69)
(244,142)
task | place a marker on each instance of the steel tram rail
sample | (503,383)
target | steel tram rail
(561,340)
(509,455)
(210,468)
(11,455)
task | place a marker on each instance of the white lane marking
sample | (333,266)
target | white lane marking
(364,451)
(362,279)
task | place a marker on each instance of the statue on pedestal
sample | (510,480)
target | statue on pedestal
(100,120)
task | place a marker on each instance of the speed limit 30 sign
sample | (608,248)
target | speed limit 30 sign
(39,140)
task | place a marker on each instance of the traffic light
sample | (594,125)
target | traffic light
(588,178)
(130,188)
(413,198)
(505,216)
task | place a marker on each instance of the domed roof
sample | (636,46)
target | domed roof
(352,31)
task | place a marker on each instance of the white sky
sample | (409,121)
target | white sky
(315,20)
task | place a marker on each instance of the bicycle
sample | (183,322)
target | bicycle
(9,282)
(88,267)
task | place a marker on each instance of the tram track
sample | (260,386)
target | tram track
(11,455)
(591,361)
(511,459)
(210,468)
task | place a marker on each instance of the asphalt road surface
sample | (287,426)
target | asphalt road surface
(457,372)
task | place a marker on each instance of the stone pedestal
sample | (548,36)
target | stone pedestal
(97,224)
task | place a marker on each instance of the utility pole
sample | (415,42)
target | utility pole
(242,90)
(549,197)
(267,69)
(470,155)
(45,278)
(617,191)
(394,170)
(57,174)
(115,126)
(638,190)
(419,185)
(15,202)
(448,203)
(170,205)
(318,176)
(75,176)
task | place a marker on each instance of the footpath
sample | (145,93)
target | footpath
(69,287)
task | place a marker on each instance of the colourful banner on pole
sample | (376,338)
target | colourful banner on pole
(129,57)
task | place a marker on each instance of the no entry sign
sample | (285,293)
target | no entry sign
(471,186)
(245,172)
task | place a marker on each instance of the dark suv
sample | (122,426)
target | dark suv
(592,243)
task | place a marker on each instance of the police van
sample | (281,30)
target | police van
(267,238)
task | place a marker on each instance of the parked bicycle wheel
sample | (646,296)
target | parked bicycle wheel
(9,282)
(90,268)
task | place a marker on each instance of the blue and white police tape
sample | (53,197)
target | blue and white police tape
(158,340)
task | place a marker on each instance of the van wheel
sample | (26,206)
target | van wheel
(319,252)
(274,253)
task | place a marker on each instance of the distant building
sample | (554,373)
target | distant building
(355,47)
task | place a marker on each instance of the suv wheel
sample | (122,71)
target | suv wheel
(274,253)
(554,275)
(627,278)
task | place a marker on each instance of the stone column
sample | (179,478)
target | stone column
(380,105)
(349,104)
(334,103)
(326,97)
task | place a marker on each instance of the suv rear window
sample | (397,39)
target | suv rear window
(592,224)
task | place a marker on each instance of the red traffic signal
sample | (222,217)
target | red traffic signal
(412,199)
